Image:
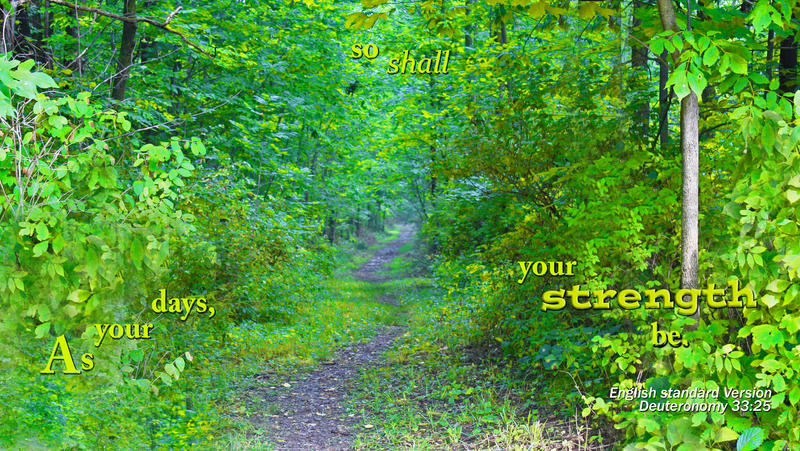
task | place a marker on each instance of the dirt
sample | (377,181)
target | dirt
(310,413)
(375,270)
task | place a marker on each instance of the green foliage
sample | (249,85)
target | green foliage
(750,439)
(80,246)
(540,144)
(545,161)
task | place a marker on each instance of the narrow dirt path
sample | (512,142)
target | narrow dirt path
(311,414)
(371,271)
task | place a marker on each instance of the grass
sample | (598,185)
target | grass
(349,311)
(343,310)
(389,235)
(431,394)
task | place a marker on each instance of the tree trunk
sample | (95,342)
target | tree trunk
(500,35)
(126,46)
(663,102)
(468,29)
(23,33)
(690,226)
(770,53)
(331,229)
(787,74)
(639,64)
(40,23)
(690,148)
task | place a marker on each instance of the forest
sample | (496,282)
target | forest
(399,224)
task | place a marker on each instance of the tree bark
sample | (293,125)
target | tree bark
(690,222)
(690,148)
(126,46)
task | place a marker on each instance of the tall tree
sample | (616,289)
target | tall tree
(690,148)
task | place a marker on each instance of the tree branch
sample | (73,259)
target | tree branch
(101,12)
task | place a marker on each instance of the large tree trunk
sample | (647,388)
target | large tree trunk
(690,148)
(126,46)
(690,226)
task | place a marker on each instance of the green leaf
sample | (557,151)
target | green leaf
(42,330)
(757,77)
(172,371)
(793,196)
(92,261)
(797,103)
(681,86)
(794,395)
(137,251)
(769,300)
(710,56)
(58,243)
(726,434)
(768,336)
(750,439)
(768,135)
(42,233)
(166,379)
(40,248)
(740,84)
(43,80)
(137,355)
(738,64)
(779,383)
(6,110)
(778,285)
(197,147)
(697,82)
(71,310)
(180,364)
(79,295)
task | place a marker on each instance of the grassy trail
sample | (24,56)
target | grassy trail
(298,399)
(400,378)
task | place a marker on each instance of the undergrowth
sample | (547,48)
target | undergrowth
(435,391)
